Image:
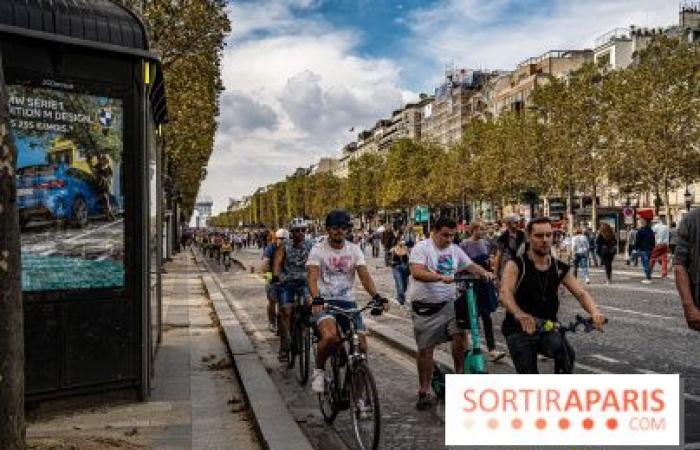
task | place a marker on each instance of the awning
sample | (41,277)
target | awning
(646,213)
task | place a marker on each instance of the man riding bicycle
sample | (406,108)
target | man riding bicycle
(331,274)
(530,291)
(433,263)
(290,269)
(226,250)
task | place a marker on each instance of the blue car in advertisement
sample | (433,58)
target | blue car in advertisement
(51,192)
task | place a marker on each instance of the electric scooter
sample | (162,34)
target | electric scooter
(466,312)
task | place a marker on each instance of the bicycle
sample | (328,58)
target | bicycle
(300,343)
(349,381)
(546,326)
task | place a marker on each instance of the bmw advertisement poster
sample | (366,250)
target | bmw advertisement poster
(69,188)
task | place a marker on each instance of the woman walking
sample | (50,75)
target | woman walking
(477,249)
(580,249)
(606,248)
(399,268)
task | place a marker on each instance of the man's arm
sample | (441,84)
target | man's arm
(585,299)
(691,311)
(368,283)
(277,264)
(313,273)
(507,298)
(421,273)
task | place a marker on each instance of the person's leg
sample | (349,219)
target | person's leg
(584,267)
(664,260)
(398,283)
(523,351)
(328,336)
(608,261)
(654,256)
(424,361)
(459,348)
(554,345)
(271,306)
(644,255)
(577,261)
(488,329)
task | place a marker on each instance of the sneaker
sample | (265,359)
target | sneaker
(496,355)
(424,401)
(588,281)
(646,281)
(272,327)
(318,381)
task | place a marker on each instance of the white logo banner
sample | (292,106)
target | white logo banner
(483,410)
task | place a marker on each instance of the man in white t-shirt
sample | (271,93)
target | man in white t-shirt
(431,291)
(332,265)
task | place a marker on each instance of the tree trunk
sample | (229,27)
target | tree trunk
(12,429)
(667,201)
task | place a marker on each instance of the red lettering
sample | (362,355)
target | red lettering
(657,396)
(573,401)
(592,398)
(610,401)
(509,399)
(526,393)
(645,400)
(553,400)
(630,397)
(482,400)
(467,398)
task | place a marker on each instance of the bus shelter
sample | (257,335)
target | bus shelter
(87,99)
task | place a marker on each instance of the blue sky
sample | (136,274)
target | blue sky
(300,73)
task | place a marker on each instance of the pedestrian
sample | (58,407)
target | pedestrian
(433,264)
(388,241)
(672,239)
(477,249)
(399,269)
(645,243)
(376,241)
(580,249)
(511,243)
(606,248)
(591,236)
(660,251)
(686,266)
(632,255)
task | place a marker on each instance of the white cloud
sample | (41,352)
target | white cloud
(475,33)
(293,90)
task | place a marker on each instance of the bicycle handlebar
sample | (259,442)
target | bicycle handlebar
(542,325)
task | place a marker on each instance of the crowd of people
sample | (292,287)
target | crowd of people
(529,264)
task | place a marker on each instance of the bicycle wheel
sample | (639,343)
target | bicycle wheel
(293,344)
(331,390)
(304,354)
(366,417)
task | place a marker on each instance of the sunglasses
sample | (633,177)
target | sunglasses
(300,230)
(338,227)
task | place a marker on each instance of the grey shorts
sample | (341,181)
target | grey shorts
(437,328)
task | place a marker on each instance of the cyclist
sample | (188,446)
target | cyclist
(510,244)
(289,269)
(332,265)
(530,291)
(271,287)
(433,263)
(226,250)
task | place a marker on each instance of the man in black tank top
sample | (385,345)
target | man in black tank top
(529,291)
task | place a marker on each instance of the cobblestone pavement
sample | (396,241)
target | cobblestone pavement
(646,334)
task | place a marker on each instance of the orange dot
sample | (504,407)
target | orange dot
(493,424)
(611,423)
(588,424)
(564,424)
(541,424)
(517,424)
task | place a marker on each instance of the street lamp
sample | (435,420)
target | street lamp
(688,199)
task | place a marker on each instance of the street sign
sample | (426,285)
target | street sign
(421,214)
(628,213)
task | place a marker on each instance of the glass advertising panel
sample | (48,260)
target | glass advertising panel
(69,187)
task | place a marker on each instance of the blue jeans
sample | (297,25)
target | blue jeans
(400,274)
(581,260)
(646,256)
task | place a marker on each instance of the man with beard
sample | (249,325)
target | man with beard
(530,291)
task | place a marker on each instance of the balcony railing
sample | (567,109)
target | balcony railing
(617,33)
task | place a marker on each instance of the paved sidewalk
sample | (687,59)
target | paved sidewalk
(196,402)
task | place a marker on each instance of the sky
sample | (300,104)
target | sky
(300,74)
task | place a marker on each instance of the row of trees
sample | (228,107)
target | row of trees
(189,38)
(636,129)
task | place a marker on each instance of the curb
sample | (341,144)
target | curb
(278,429)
